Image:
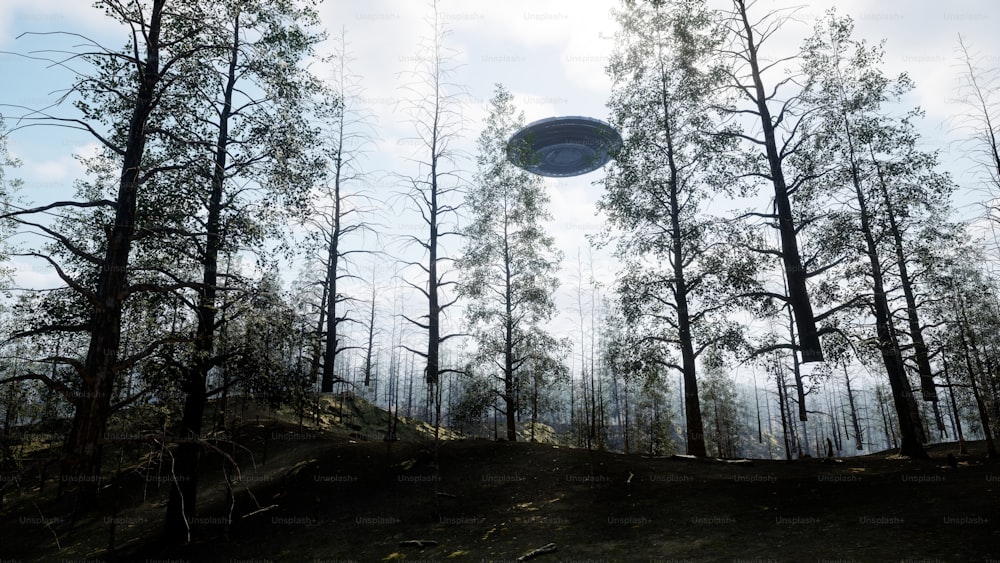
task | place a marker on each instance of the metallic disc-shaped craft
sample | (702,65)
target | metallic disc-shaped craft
(563,146)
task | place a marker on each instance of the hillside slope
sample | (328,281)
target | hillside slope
(314,495)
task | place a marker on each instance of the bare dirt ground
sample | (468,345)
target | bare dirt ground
(329,496)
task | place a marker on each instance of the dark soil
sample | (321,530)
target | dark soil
(324,497)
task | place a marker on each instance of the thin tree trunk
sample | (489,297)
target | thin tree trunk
(626,434)
(181,506)
(333,256)
(834,426)
(510,388)
(782,400)
(889,432)
(409,390)
(330,341)
(984,419)
(371,337)
(534,405)
(756,399)
(770,426)
(695,432)
(854,412)
(317,357)
(927,388)
(433,308)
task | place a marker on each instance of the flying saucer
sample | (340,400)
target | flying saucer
(563,146)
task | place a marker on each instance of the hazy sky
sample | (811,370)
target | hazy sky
(551,54)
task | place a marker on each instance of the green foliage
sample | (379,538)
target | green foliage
(654,430)
(8,189)
(721,409)
(873,159)
(509,263)
(669,167)
(475,401)
(264,348)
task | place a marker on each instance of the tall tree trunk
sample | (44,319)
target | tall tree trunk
(756,400)
(409,390)
(572,406)
(317,357)
(330,334)
(332,271)
(593,427)
(371,337)
(834,425)
(223,404)
(626,435)
(804,443)
(910,427)
(927,388)
(433,308)
(82,463)
(695,432)
(795,273)
(510,385)
(183,496)
(800,391)
(969,346)
(585,406)
(534,404)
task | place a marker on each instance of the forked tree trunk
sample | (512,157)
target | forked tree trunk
(920,352)
(910,427)
(971,352)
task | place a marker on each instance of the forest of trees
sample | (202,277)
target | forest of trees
(858,310)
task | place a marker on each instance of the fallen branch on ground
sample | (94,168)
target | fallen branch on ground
(547,548)
(418,543)
(258,511)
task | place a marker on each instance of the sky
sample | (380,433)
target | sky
(550,54)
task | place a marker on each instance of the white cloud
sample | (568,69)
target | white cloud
(53,171)
(33,274)
(48,172)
